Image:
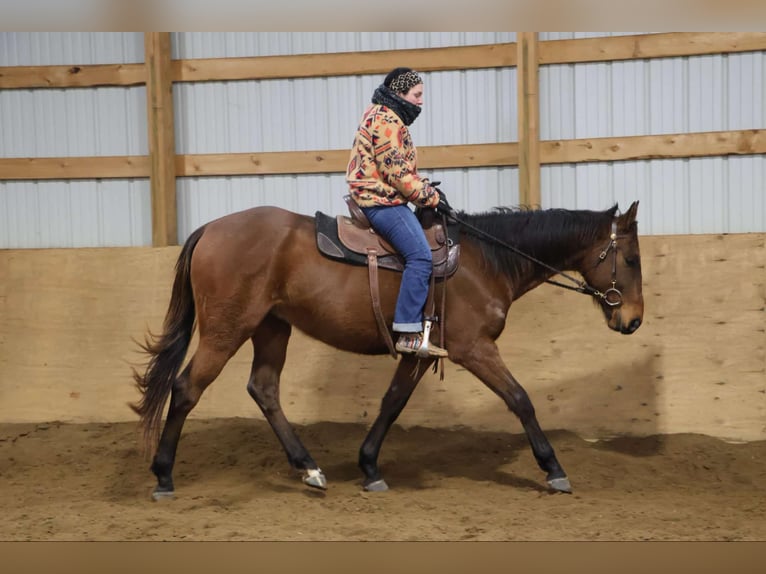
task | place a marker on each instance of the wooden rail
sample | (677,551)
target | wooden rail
(636,47)
(28,77)
(667,146)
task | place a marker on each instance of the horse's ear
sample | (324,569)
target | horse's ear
(629,217)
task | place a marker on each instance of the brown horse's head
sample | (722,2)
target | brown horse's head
(616,272)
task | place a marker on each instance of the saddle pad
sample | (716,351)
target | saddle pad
(329,244)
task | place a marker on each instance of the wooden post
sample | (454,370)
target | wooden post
(160,129)
(528,118)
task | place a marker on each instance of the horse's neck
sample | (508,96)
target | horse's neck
(545,243)
(561,253)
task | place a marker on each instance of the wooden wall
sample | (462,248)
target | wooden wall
(67,317)
(697,364)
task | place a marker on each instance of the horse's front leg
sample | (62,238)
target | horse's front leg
(408,374)
(483,360)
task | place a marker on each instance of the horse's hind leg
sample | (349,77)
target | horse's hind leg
(205,365)
(408,374)
(269,352)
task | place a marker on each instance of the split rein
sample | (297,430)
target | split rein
(611,297)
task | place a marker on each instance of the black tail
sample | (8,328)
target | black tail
(167,351)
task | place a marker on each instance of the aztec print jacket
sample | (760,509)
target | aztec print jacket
(382,169)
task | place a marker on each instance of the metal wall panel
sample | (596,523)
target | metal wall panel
(73,122)
(678,196)
(248,44)
(659,96)
(64,48)
(84,213)
(206,198)
(700,195)
(323,113)
(203,199)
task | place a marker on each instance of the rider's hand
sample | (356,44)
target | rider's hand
(443,206)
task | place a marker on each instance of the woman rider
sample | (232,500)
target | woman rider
(383,180)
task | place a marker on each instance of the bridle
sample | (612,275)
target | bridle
(611,297)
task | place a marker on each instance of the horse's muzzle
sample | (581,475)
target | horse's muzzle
(623,320)
(631,327)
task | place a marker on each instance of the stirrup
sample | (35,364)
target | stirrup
(415,343)
(425,349)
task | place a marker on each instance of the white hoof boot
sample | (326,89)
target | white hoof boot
(314,477)
(376,486)
(158,495)
(560,484)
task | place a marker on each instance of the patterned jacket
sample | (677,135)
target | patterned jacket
(382,169)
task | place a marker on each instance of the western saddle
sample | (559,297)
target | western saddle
(352,239)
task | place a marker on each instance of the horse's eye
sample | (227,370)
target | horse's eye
(631,261)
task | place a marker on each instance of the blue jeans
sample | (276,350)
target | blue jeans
(398,225)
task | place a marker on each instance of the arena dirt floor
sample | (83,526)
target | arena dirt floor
(90,482)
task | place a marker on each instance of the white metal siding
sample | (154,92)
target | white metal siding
(648,97)
(73,122)
(306,114)
(701,93)
(323,113)
(106,213)
(64,48)
(203,199)
(248,44)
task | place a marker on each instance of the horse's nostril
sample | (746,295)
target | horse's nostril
(634,324)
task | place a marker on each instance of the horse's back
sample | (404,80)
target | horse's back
(253,229)
(246,242)
(256,219)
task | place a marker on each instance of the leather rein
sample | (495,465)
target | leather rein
(611,297)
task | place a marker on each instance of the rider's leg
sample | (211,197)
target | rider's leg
(400,227)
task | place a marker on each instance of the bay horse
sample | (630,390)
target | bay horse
(256,274)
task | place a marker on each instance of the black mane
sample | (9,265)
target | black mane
(548,235)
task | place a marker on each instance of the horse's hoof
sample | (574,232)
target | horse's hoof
(376,486)
(315,478)
(158,495)
(560,484)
